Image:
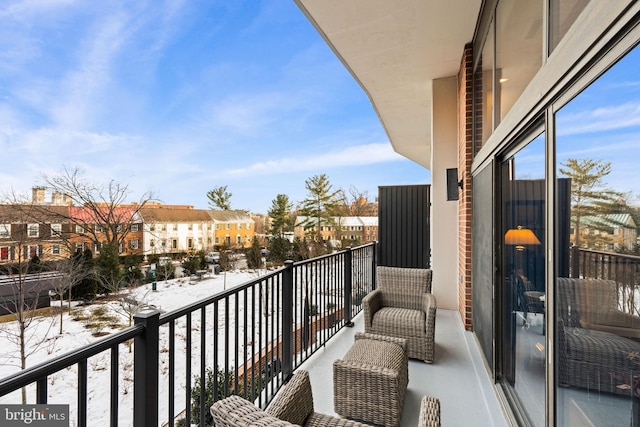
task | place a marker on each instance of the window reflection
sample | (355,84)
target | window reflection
(598,284)
(563,14)
(523,223)
(518,50)
(483,90)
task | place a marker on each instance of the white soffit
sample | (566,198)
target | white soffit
(395,49)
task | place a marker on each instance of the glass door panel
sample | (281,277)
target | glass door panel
(524,288)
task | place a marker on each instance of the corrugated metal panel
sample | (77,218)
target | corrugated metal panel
(403,221)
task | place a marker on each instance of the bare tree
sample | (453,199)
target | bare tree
(101,211)
(24,284)
(74,271)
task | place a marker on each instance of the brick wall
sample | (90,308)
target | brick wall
(465,157)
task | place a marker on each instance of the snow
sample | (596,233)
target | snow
(45,342)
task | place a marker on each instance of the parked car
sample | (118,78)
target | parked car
(212,257)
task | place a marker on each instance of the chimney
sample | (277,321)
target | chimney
(37,195)
(56,198)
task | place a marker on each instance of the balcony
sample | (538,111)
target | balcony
(255,334)
(457,377)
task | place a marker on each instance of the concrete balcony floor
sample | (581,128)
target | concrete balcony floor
(457,377)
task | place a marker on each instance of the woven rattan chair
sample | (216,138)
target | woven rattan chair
(403,306)
(588,358)
(429,412)
(292,406)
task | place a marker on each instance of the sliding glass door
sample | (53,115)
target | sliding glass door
(523,345)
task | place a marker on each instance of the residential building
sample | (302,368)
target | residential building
(609,232)
(503,93)
(175,229)
(360,229)
(233,228)
(26,231)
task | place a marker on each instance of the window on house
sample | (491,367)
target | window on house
(134,244)
(248,238)
(248,226)
(55,249)
(152,243)
(80,246)
(79,229)
(5,230)
(174,243)
(98,228)
(33,230)
(189,243)
(135,227)
(190,227)
(217,226)
(239,226)
(152,227)
(227,226)
(31,251)
(217,240)
(4,253)
(238,239)
(121,247)
(56,229)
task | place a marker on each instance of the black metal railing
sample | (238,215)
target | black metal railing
(623,269)
(246,340)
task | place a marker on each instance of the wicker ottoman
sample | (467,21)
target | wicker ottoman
(370,381)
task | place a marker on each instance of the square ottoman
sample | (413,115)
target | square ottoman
(370,381)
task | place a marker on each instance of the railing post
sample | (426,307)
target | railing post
(374,263)
(145,369)
(348,285)
(575,262)
(287,320)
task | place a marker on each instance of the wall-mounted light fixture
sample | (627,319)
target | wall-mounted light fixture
(453,184)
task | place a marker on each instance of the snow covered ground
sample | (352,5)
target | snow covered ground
(79,327)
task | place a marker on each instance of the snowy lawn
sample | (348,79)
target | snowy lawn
(85,324)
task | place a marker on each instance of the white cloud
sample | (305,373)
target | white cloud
(599,119)
(349,156)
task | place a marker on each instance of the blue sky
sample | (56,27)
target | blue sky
(180,96)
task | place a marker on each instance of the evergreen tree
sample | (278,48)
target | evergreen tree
(108,271)
(254,255)
(589,195)
(280,214)
(321,204)
(219,198)
(87,288)
(279,250)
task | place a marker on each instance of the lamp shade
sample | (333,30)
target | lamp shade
(520,237)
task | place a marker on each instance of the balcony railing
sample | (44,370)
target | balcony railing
(623,269)
(246,340)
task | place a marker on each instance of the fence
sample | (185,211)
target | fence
(247,340)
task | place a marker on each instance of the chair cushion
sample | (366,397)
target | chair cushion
(396,321)
(602,348)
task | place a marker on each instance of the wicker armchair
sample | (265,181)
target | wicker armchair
(429,412)
(597,302)
(589,358)
(403,306)
(292,406)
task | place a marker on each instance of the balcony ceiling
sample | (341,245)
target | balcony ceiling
(395,49)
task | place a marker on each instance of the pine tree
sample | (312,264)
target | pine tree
(321,204)
(280,214)
(219,198)
(589,195)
